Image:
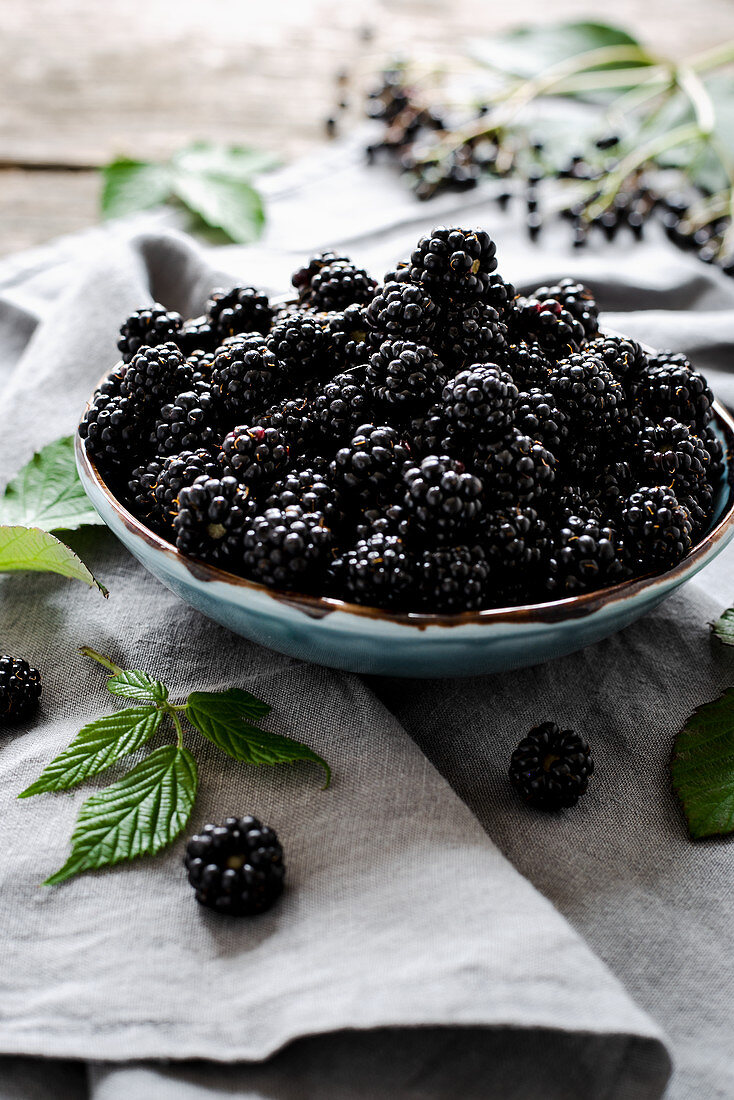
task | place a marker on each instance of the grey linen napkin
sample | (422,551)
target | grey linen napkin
(402,915)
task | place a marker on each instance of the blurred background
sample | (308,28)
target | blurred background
(83,82)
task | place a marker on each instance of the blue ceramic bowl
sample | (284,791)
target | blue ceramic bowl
(362,639)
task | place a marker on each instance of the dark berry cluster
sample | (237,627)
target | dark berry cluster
(434,444)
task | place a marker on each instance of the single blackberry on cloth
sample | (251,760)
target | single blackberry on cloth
(515,470)
(442,497)
(656,528)
(236,868)
(474,334)
(550,768)
(211,518)
(285,547)
(669,454)
(340,406)
(155,375)
(451,579)
(547,323)
(377,572)
(576,299)
(20,689)
(403,311)
(339,284)
(246,378)
(528,364)
(241,309)
(149,327)
(586,555)
(186,423)
(587,391)
(479,402)
(253,455)
(671,387)
(300,342)
(372,461)
(454,263)
(405,375)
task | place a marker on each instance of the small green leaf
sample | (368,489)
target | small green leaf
(723,628)
(223,203)
(528,51)
(133,684)
(47,493)
(97,746)
(223,720)
(132,185)
(138,816)
(703,768)
(236,162)
(28,549)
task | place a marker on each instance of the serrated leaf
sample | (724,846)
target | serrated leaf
(219,717)
(29,549)
(702,768)
(723,628)
(132,185)
(223,203)
(47,492)
(237,162)
(527,51)
(134,684)
(97,746)
(138,816)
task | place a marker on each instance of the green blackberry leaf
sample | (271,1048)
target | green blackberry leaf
(29,549)
(529,50)
(223,718)
(47,492)
(723,628)
(96,747)
(138,816)
(132,185)
(133,684)
(702,768)
(236,162)
(223,203)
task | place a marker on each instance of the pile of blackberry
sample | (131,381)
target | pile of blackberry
(435,443)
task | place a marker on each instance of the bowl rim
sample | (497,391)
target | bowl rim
(319,607)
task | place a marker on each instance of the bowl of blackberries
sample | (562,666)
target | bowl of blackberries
(427,475)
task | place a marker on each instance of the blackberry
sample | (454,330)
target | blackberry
(517,543)
(452,579)
(387,519)
(550,768)
(501,296)
(253,455)
(401,310)
(346,335)
(398,274)
(284,548)
(479,402)
(474,334)
(246,377)
(301,345)
(149,327)
(675,389)
(622,357)
(575,499)
(20,689)
(211,518)
(715,450)
(340,406)
(587,391)
(669,454)
(575,299)
(236,868)
(429,433)
(155,375)
(442,497)
(454,263)
(515,470)
(294,418)
(372,461)
(175,473)
(202,364)
(197,336)
(241,309)
(656,528)
(610,485)
(339,284)
(586,555)
(377,572)
(403,374)
(528,364)
(186,423)
(304,276)
(113,429)
(546,322)
(140,488)
(310,489)
(538,416)
(700,506)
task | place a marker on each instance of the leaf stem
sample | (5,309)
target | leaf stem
(87,651)
(177,723)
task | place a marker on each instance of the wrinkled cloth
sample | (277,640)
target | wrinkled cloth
(437,939)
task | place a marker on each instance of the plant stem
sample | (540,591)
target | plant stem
(87,651)
(177,724)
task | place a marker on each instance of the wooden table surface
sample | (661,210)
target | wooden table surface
(83,81)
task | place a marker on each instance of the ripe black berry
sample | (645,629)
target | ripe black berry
(443,499)
(454,263)
(550,768)
(452,579)
(236,868)
(339,284)
(656,528)
(403,311)
(211,518)
(404,375)
(241,309)
(284,547)
(20,689)
(479,402)
(587,391)
(474,334)
(253,455)
(151,326)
